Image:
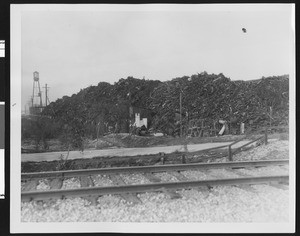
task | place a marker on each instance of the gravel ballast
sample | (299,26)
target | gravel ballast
(219,204)
(223,204)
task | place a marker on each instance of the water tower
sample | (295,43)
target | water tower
(36,99)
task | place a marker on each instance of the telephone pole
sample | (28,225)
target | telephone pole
(180,110)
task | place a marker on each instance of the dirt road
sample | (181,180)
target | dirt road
(51,156)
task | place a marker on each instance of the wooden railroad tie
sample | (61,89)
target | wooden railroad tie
(31,185)
(171,192)
(238,172)
(86,181)
(247,188)
(129,197)
(180,176)
(281,186)
(56,183)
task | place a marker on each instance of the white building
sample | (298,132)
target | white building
(138,122)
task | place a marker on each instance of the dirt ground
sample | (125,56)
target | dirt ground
(124,140)
(121,161)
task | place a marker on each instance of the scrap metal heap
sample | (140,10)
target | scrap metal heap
(209,98)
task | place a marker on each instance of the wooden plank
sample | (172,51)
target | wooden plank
(56,183)
(31,185)
(128,197)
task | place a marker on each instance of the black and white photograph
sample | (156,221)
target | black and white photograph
(152,118)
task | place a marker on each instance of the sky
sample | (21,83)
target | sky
(73,49)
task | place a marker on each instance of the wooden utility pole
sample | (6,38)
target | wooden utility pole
(229,153)
(271,117)
(266,136)
(46,94)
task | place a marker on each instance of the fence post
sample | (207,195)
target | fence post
(229,153)
(266,136)
(183,160)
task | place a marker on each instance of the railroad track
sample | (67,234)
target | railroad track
(242,174)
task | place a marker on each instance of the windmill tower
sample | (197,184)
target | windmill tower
(36,99)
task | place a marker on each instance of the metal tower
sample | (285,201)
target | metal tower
(36,99)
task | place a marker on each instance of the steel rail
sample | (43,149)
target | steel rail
(154,187)
(145,169)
